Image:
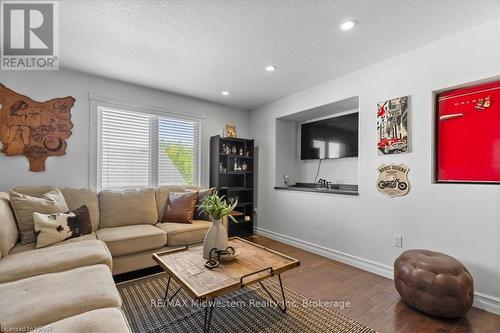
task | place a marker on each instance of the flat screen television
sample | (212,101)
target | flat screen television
(335,137)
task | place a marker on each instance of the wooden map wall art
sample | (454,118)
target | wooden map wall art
(36,130)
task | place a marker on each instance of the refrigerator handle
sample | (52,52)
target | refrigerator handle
(451,116)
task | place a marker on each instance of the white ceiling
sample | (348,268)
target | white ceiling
(201,48)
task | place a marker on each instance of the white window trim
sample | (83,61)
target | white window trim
(96,101)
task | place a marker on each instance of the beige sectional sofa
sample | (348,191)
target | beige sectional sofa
(68,287)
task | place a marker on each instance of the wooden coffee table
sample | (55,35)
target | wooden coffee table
(254,264)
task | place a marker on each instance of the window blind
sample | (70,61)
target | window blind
(177,151)
(137,149)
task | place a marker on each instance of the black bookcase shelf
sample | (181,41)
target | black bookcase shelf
(228,176)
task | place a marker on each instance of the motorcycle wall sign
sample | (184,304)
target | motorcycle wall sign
(393,180)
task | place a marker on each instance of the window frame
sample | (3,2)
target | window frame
(96,102)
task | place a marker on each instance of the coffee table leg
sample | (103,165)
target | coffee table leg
(166,291)
(284,308)
(209,308)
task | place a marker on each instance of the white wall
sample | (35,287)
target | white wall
(73,168)
(337,171)
(461,220)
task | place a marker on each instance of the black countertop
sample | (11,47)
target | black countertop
(345,189)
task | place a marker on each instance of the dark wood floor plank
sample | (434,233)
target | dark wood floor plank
(374,300)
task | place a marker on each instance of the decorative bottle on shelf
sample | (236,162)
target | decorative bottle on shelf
(235,168)
(241,151)
(233,150)
(244,166)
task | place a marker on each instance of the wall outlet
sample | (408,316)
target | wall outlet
(398,241)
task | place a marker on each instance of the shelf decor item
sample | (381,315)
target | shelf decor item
(231,131)
(216,208)
(392,126)
(36,130)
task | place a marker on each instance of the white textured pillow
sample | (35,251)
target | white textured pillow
(24,206)
(55,228)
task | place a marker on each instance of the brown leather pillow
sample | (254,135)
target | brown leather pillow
(180,207)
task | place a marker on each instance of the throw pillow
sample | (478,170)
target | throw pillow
(180,207)
(24,206)
(55,228)
(201,195)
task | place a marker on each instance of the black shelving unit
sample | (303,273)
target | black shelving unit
(232,173)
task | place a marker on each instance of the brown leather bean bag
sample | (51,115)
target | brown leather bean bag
(434,283)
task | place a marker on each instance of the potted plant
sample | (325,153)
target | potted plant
(216,208)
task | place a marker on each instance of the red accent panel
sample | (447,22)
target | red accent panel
(468,138)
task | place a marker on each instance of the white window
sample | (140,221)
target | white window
(137,149)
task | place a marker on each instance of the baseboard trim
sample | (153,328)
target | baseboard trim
(345,258)
(487,303)
(481,301)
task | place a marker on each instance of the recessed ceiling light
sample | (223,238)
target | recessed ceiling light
(347,25)
(270,68)
(225,93)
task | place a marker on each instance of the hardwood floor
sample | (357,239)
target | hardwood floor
(374,299)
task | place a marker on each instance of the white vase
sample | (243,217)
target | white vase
(216,237)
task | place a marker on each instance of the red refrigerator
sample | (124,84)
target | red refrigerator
(468,134)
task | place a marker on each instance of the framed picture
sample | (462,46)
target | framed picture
(230,131)
(392,126)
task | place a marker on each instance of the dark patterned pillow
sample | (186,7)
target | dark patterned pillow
(201,195)
(55,228)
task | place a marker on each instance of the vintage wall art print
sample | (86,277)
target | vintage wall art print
(393,180)
(392,126)
(36,130)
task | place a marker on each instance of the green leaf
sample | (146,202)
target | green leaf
(216,207)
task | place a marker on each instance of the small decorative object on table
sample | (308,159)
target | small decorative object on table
(216,208)
(215,256)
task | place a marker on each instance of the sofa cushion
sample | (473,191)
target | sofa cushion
(162,193)
(24,206)
(202,194)
(45,299)
(52,259)
(55,228)
(75,197)
(95,321)
(132,238)
(129,207)
(180,207)
(32,246)
(179,234)
(8,227)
